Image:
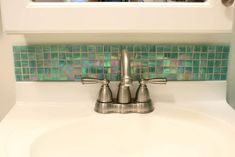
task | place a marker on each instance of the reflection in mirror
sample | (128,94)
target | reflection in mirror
(119,0)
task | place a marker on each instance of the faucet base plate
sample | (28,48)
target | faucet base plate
(134,107)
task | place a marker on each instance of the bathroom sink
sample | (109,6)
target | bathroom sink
(58,120)
(166,133)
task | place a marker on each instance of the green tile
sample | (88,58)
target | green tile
(217,63)
(223,77)
(226,49)
(197,48)
(218,55)
(204,48)
(225,63)
(17,56)
(224,70)
(196,63)
(219,48)
(17,64)
(25,70)
(159,49)
(188,63)
(160,56)
(210,70)
(26,78)
(196,56)
(18,78)
(24,56)
(144,55)
(211,55)
(174,49)
(195,69)
(203,55)
(224,55)
(217,76)
(166,63)
(69,62)
(174,55)
(210,63)
(182,49)
(18,71)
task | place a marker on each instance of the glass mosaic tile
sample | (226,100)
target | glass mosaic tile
(72,62)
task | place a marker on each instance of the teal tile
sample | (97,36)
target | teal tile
(224,56)
(25,70)
(18,78)
(24,56)
(159,49)
(69,62)
(217,63)
(197,48)
(144,55)
(210,63)
(217,76)
(218,55)
(203,55)
(223,77)
(195,69)
(224,70)
(226,49)
(174,55)
(211,55)
(219,48)
(196,56)
(17,64)
(174,49)
(182,49)
(160,56)
(204,48)
(18,71)
(224,63)
(17,56)
(24,63)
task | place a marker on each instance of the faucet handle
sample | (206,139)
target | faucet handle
(105,93)
(153,81)
(142,93)
(94,81)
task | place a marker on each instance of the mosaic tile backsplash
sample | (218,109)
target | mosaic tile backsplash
(72,62)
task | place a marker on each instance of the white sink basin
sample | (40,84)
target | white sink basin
(171,133)
(191,119)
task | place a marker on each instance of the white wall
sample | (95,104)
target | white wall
(7,85)
(7,78)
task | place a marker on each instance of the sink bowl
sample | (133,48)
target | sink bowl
(168,133)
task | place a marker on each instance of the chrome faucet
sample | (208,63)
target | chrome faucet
(124,93)
(124,103)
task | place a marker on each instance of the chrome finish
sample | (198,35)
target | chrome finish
(142,93)
(133,107)
(105,93)
(124,94)
(227,3)
(124,103)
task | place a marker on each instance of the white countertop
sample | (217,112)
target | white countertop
(41,106)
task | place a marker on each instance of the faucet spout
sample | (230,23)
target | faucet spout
(124,94)
(126,79)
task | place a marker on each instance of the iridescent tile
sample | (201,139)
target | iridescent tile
(114,63)
(18,71)
(24,63)
(166,70)
(107,63)
(166,63)
(17,63)
(17,56)
(18,78)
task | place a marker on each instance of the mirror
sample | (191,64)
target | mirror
(119,0)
